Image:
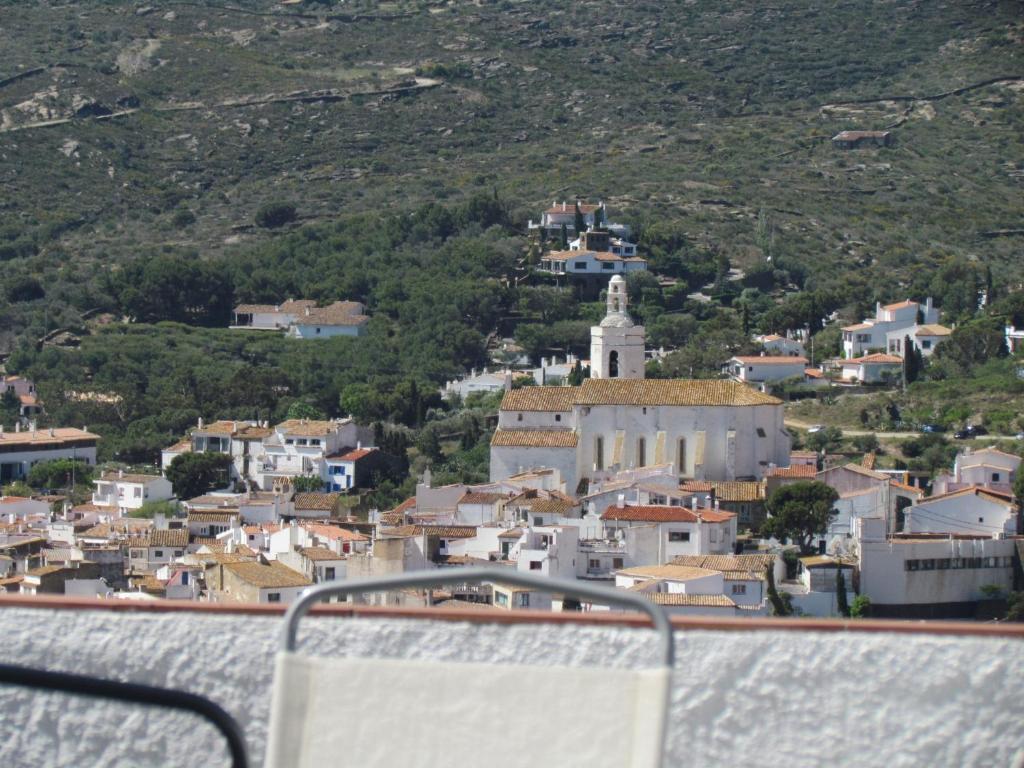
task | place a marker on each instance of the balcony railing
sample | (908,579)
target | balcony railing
(747,690)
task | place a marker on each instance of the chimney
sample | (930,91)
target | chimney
(120,474)
(17,426)
(359,445)
(200,422)
(508,386)
(693,503)
(620,502)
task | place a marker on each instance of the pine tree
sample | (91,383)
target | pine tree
(841,602)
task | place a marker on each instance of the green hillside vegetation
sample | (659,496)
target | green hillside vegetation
(162,163)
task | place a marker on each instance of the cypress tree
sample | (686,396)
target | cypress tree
(580,223)
(841,602)
(565,238)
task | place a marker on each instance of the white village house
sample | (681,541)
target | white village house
(892,320)
(125,492)
(303,318)
(21,449)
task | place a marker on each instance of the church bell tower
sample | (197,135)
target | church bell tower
(617,345)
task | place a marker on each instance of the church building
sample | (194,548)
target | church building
(706,429)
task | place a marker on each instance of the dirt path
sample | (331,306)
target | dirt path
(308,97)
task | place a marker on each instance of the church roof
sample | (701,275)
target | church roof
(681,392)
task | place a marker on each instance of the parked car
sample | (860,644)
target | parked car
(815,428)
(970,431)
(962,434)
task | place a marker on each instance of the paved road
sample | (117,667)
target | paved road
(799,424)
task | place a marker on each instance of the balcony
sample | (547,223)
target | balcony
(747,691)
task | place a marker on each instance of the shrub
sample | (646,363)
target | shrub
(273,215)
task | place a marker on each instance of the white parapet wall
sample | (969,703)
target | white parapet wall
(743,694)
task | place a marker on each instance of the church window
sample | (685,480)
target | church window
(613,365)
(641,452)
(681,456)
(599,453)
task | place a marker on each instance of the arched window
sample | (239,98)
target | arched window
(613,365)
(641,452)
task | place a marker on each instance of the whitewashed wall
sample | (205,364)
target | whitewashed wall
(739,697)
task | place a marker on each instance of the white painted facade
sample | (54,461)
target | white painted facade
(871,369)
(127,492)
(924,338)
(704,442)
(971,511)
(549,551)
(781,345)
(930,571)
(22,449)
(897,319)
(586,263)
(987,468)
(764,368)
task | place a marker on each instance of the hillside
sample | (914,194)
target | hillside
(138,136)
(127,127)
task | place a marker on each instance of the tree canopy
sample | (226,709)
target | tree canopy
(193,474)
(800,512)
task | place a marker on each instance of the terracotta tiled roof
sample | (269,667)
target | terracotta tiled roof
(289,307)
(113,477)
(933,330)
(213,516)
(43,437)
(333,532)
(697,486)
(317,554)
(753,563)
(552,506)
(738,490)
(797,470)
(441,531)
(663,514)
(906,303)
(570,208)
(169,537)
(323,502)
(274,574)
(482,498)
(539,399)
(670,392)
(306,427)
(338,313)
(354,454)
(534,438)
(512,533)
(668,572)
(682,599)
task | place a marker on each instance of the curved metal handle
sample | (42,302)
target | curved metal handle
(86,685)
(601,594)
